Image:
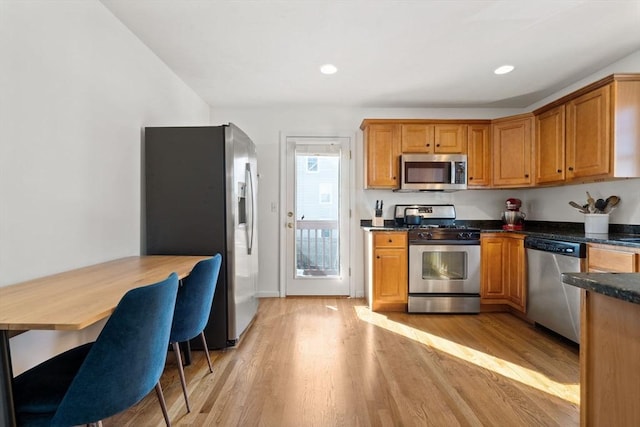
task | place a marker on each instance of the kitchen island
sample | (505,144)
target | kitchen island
(610,348)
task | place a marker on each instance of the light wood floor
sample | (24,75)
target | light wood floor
(332,362)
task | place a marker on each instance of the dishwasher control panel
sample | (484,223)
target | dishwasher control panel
(574,249)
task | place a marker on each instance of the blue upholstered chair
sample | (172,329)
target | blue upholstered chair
(97,380)
(193,307)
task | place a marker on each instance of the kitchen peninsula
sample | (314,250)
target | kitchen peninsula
(610,347)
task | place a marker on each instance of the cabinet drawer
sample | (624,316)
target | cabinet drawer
(389,239)
(611,260)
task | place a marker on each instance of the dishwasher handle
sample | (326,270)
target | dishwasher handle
(560,247)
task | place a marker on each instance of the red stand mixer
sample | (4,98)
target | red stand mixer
(512,217)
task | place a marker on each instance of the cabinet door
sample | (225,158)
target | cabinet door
(390,285)
(492,283)
(478,156)
(589,134)
(417,138)
(382,151)
(550,159)
(611,259)
(503,270)
(450,139)
(515,273)
(512,153)
(390,239)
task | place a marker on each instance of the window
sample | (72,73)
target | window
(325,194)
(312,164)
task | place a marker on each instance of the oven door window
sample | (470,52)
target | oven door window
(450,265)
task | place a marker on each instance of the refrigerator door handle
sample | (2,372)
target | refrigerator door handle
(250,229)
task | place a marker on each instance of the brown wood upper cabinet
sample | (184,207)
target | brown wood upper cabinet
(588,144)
(478,156)
(592,134)
(381,155)
(511,150)
(434,138)
(417,138)
(550,151)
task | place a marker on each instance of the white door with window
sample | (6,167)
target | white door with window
(316,216)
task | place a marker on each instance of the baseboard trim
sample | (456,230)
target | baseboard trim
(269,294)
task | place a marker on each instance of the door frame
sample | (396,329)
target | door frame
(282,220)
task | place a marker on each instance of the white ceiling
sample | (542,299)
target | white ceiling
(390,53)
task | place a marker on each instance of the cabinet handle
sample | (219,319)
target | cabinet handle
(378,257)
(559,170)
(526,175)
(428,145)
(570,168)
(470,178)
(437,145)
(390,241)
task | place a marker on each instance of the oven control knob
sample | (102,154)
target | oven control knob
(425,236)
(464,236)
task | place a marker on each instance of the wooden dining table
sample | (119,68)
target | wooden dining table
(73,300)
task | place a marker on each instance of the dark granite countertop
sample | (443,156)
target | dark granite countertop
(616,239)
(623,286)
(573,232)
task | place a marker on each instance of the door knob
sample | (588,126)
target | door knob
(289,214)
(289,225)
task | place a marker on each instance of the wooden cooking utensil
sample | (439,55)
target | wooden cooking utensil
(577,206)
(592,203)
(611,203)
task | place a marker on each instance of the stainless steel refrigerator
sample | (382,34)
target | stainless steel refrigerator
(200,187)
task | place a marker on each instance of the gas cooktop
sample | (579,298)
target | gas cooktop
(437,223)
(422,235)
(440,226)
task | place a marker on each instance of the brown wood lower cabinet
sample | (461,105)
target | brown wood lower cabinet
(610,345)
(609,355)
(612,259)
(503,270)
(387,280)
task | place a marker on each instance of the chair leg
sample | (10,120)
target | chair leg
(163,404)
(206,351)
(183,381)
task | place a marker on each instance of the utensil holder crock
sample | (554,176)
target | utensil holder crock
(596,223)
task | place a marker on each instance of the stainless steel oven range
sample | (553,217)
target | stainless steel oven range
(444,261)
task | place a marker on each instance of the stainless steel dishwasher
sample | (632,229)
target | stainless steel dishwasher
(551,303)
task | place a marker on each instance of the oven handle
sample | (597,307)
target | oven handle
(444,242)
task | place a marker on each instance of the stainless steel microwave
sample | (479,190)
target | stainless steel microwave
(433,172)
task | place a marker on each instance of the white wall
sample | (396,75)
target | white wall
(76,88)
(265,125)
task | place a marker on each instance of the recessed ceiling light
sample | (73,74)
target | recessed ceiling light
(328,69)
(504,69)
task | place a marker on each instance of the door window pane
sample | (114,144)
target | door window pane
(317,210)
